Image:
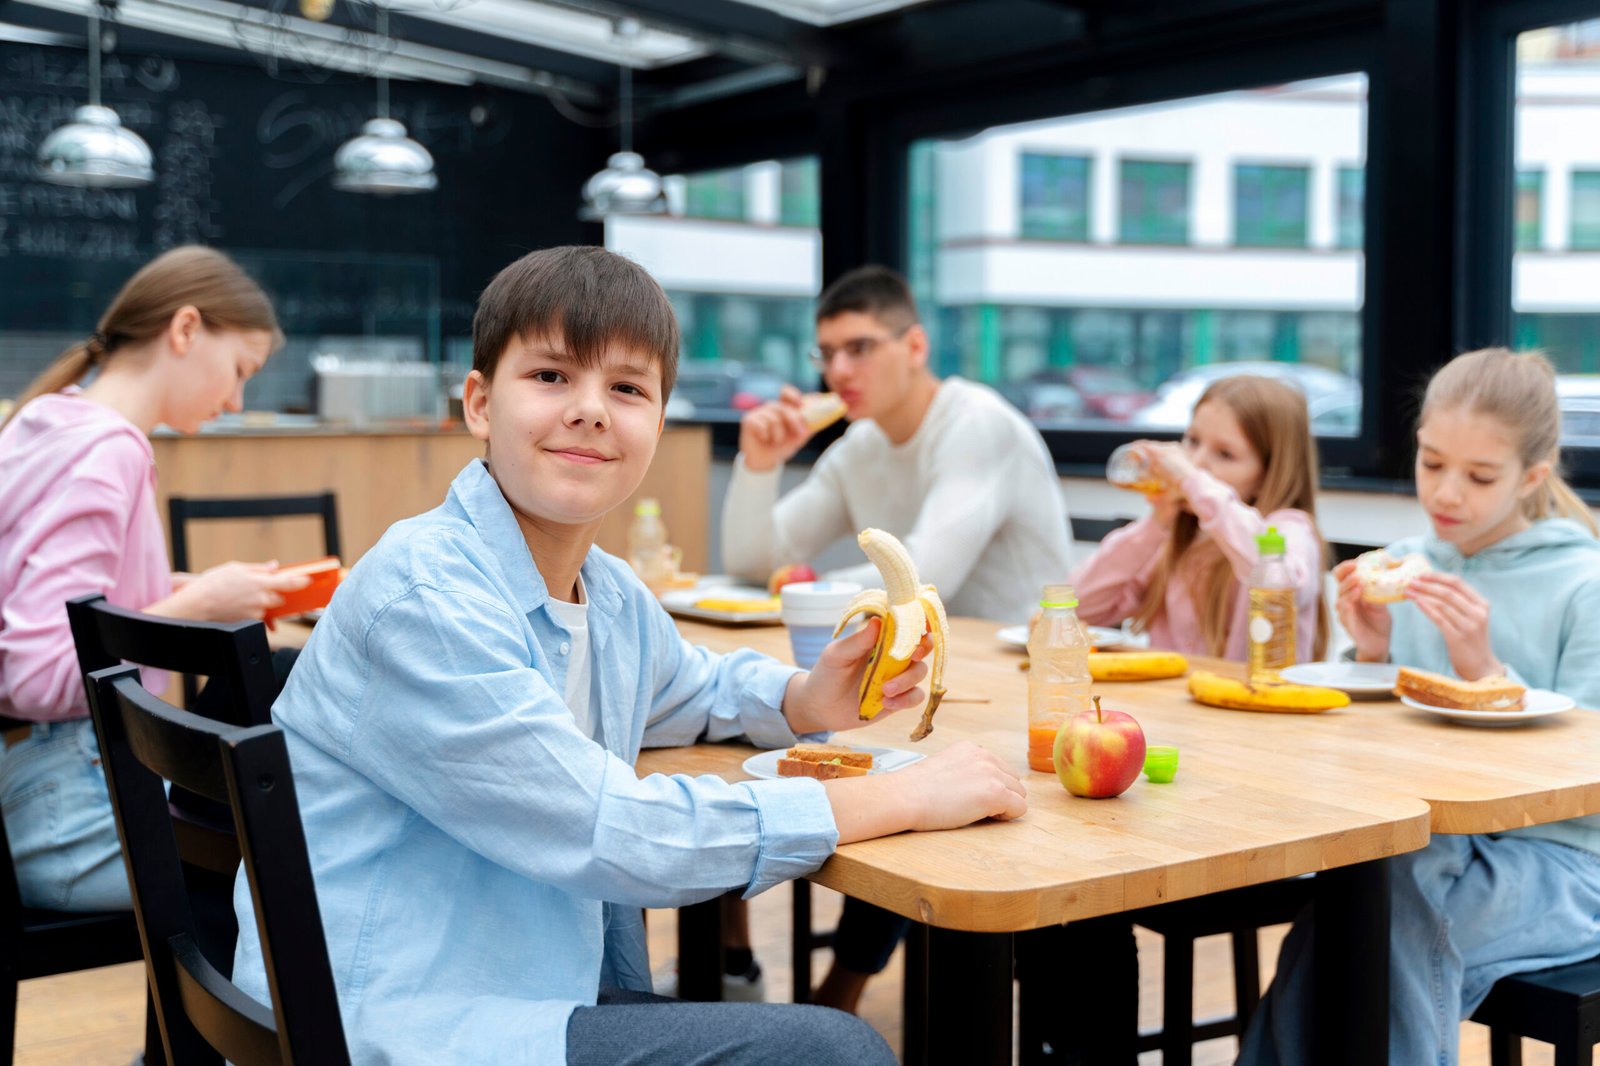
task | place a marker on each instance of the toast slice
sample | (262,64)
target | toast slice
(822,771)
(1497,693)
(842,754)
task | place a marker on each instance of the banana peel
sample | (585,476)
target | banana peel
(1214,690)
(907,610)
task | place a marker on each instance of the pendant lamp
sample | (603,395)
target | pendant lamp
(626,186)
(382,160)
(95,150)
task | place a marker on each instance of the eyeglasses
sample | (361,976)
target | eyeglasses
(856,351)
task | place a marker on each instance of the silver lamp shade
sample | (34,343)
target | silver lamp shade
(625,187)
(383,160)
(95,150)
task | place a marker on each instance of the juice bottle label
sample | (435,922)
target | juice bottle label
(1271,632)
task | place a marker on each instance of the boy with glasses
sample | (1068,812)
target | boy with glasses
(949,467)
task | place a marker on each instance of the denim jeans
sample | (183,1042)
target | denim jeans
(58,817)
(1467,911)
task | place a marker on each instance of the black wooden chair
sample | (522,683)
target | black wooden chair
(1560,1006)
(181,510)
(205,1018)
(41,943)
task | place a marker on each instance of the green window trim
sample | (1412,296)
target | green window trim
(1054,191)
(1153,202)
(1528,210)
(1585,231)
(1352,193)
(1269,205)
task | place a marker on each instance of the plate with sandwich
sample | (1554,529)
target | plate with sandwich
(736,605)
(1487,701)
(1369,681)
(1104,638)
(828,761)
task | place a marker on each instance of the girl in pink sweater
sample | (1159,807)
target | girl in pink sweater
(78,515)
(1247,461)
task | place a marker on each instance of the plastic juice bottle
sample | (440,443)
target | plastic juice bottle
(647,543)
(1058,673)
(1272,610)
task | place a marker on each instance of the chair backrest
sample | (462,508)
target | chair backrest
(204,1016)
(182,509)
(233,654)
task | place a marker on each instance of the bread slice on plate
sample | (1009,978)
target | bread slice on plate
(1497,693)
(824,761)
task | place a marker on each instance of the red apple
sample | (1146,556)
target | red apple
(785,575)
(1099,753)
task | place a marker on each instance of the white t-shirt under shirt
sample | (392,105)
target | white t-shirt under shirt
(574,618)
(973,495)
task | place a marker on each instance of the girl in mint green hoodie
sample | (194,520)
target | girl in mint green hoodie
(1515,590)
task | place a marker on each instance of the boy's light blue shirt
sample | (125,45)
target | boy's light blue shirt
(1543,588)
(463,834)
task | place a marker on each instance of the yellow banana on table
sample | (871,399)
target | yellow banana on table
(1136,665)
(1214,690)
(908,609)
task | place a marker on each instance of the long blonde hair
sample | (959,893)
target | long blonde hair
(1517,389)
(190,276)
(1273,418)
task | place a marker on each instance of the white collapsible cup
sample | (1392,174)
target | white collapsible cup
(811,610)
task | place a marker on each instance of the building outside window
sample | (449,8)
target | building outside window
(1555,273)
(1055,197)
(1154,202)
(1269,206)
(1352,209)
(1528,211)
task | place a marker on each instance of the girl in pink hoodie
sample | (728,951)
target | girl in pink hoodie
(78,515)
(1247,461)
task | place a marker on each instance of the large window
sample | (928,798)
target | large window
(740,257)
(1191,257)
(1154,202)
(1055,197)
(1269,206)
(1556,218)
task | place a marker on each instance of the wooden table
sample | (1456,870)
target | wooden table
(1258,797)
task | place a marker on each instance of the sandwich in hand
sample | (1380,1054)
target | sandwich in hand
(821,410)
(1497,693)
(824,762)
(1384,577)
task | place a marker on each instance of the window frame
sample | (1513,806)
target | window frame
(1305,171)
(1183,241)
(1088,161)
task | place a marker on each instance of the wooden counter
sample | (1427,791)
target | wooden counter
(382,477)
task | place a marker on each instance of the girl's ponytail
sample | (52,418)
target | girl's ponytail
(70,367)
(1555,499)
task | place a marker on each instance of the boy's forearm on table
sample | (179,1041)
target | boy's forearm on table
(873,806)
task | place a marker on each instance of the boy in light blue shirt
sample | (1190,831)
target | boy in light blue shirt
(481,843)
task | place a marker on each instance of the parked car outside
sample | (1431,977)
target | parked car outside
(1109,392)
(1046,400)
(1333,399)
(1579,397)
(724,389)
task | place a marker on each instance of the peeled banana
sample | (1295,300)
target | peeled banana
(1214,690)
(908,609)
(1136,665)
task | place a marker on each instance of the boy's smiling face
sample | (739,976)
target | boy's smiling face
(567,442)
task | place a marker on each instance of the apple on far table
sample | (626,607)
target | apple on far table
(1099,753)
(785,575)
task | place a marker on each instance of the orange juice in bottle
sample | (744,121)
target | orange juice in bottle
(1058,673)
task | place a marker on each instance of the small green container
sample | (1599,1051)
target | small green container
(1161,763)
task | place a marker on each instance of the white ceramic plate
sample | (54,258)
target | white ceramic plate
(681,602)
(1361,680)
(884,760)
(1537,703)
(1103,637)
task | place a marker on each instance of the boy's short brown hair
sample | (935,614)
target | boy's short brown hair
(870,290)
(588,297)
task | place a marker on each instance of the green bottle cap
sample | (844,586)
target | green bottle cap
(647,506)
(1059,596)
(1270,542)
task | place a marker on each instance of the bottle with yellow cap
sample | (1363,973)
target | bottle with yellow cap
(1058,673)
(1272,610)
(647,544)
